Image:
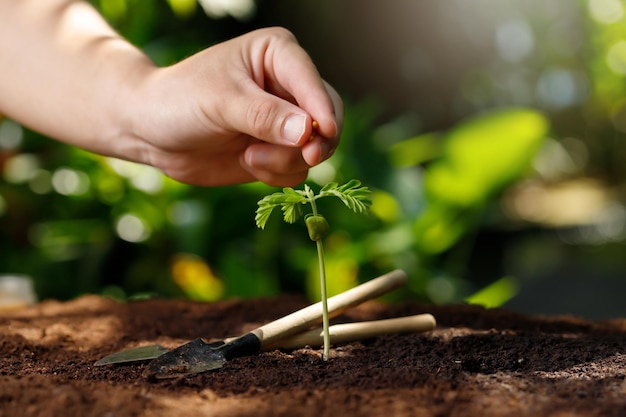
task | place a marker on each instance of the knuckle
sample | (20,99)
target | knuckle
(279,32)
(260,117)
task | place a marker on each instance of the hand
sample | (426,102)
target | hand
(239,111)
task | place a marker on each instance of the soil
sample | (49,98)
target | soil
(476,363)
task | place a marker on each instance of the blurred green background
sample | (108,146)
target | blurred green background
(490,131)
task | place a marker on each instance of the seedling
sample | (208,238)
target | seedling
(290,201)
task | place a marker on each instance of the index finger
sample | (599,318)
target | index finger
(289,69)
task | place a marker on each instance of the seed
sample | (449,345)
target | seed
(315,126)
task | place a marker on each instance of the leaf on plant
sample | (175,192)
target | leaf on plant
(329,186)
(291,212)
(349,185)
(263,213)
(355,197)
(289,201)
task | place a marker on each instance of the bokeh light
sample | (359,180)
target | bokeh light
(606,11)
(21,168)
(69,181)
(514,40)
(11,134)
(132,228)
(616,58)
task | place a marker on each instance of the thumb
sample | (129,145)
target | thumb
(274,120)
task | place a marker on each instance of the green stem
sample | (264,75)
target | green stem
(325,320)
(322,273)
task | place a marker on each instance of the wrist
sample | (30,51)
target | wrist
(125,124)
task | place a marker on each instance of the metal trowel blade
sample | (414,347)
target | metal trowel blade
(141,353)
(199,356)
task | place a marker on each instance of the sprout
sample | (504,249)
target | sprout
(290,201)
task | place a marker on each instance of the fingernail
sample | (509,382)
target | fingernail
(257,159)
(294,128)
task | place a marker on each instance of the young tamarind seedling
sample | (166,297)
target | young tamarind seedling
(290,201)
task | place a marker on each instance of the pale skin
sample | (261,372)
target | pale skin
(237,112)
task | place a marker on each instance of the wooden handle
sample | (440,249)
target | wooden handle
(301,320)
(350,332)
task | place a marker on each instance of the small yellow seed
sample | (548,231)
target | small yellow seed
(315,126)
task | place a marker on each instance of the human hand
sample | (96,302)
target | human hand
(237,112)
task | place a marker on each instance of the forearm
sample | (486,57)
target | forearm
(238,111)
(66,73)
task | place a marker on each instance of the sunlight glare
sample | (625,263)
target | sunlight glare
(239,9)
(560,88)
(11,134)
(68,181)
(20,168)
(616,58)
(514,40)
(131,228)
(606,11)
(148,179)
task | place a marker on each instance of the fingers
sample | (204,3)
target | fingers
(275,165)
(274,120)
(289,69)
(321,148)
(284,92)
(278,122)
(244,112)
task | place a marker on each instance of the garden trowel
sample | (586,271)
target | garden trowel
(339,333)
(271,333)
(200,356)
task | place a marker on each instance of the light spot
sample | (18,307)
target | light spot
(606,11)
(131,228)
(20,168)
(560,88)
(239,9)
(67,181)
(148,179)
(616,58)
(514,40)
(11,134)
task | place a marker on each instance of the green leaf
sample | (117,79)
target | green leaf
(263,214)
(349,185)
(291,212)
(483,154)
(329,186)
(289,200)
(355,197)
(415,150)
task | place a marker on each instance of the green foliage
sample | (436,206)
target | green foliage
(479,157)
(290,201)
(483,154)
(354,196)
(495,294)
(121,231)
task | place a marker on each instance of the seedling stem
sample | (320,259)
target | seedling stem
(290,201)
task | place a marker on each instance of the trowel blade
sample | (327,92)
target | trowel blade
(141,353)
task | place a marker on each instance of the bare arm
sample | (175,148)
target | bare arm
(239,111)
(65,72)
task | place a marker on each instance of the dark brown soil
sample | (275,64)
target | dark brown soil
(476,363)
